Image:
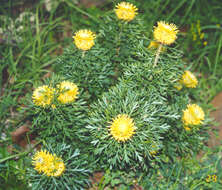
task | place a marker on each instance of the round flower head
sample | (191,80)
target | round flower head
(189,80)
(41,160)
(56,167)
(165,33)
(122,128)
(193,115)
(84,39)
(43,95)
(68,92)
(126,11)
(48,164)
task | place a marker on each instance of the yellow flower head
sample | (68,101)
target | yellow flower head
(165,33)
(43,95)
(56,167)
(41,160)
(189,80)
(68,92)
(122,128)
(155,45)
(193,115)
(84,39)
(126,11)
(48,164)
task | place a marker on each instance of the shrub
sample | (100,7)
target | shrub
(126,106)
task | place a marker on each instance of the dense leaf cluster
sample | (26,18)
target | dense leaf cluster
(117,76)
(75,176)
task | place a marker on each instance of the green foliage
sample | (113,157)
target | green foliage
(12,173)
(102,64)
(187,173)
(92,70)
(149,127)
(116,179)
(115,76)
(75,175)
(65,120)
(121,37)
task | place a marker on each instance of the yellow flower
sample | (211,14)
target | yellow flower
(49,164)
(189,80)
(55,168)
(122,128)
(43,95)
(205,43)
(193,115)
(68,92)
(155,45)
(41,160)
(165,33)
(126,11)
(84,39)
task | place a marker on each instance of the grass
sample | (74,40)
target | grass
(29,48)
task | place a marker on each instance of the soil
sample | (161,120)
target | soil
(216,140)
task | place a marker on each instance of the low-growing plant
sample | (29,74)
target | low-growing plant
(125,100)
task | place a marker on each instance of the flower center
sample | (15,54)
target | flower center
(122,128)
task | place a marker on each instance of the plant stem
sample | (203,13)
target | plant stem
(19,154)
(83,53)
(157,55)
(118,38)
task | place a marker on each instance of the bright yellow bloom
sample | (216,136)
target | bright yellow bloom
(41,160)
(55,168)
(126,11)
(155,45)
(47,163)
(122,128)
(84,39)
(165,33)
(68,92)
(43,95)
(189,80)
(193,115)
